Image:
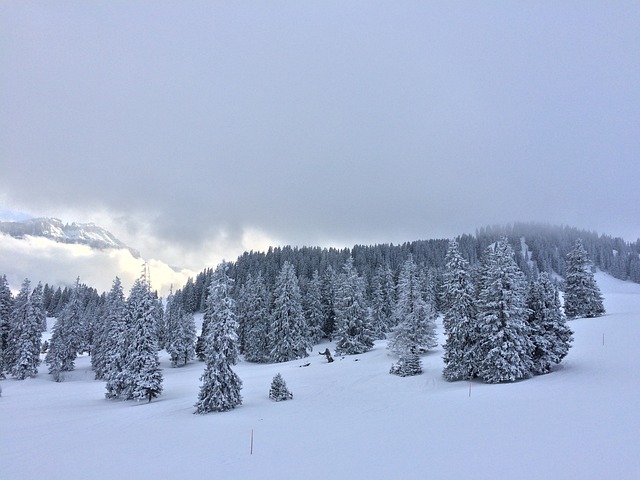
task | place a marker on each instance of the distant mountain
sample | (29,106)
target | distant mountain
(75,233)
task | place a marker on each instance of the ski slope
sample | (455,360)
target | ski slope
(349,419)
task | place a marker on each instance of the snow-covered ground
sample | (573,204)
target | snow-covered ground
(349,420)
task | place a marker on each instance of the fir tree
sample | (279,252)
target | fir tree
(67,337)
(416,329)
(6,307)
(382,302)
(25,335)
(116,347)
(313,308)
(220,390)
(180,332)
(459,320)
(352,320)
(254,312)
(504,345)
(144,377)
(288,330)
(550,334)
(582,297)
(279,390)
(408,365)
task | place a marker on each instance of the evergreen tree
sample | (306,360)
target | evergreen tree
(582,297)
(144,380)
(279,390)
(25,335)
(67,336)
(116,347)
(38,304)
(99,345)
(408,365)
(550,334)
(287,334)
(220,390)
(352,321)
(180,332)
(327,295)
(416,328)
(254,313)
(504,345)
(382,302)
(6,307)
(313,308)
(459,320)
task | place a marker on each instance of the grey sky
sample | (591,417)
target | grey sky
(194,130)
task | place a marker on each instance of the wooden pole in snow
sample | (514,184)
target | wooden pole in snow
(469,389)
(251,449)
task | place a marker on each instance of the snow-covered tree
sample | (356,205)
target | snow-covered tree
(415,329)
(67,338)
(582,297)
(99,342)
(25,335)
(220,390)
(550,334)
(254,314)
(143,374)
(459,320)
(38,303)
(6,307)
(179,332)
(353,332)
(382,301)
(279,390)
(504,345)
(313,308)
(288,331)
(116,346)
(408,365)
(327,295)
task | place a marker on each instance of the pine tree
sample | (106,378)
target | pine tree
(288,330)
(504,345)
(459,320)
(353,330)
(180,332)
(416,328)
(408,365)
(25,335)
(582,297)
(6,307)
(550,334)
(327,295)
(144,376)
(220,390)
(116,346)
(313,308)
(67,336)
(254,313)
(382,302)
(100,344)
(279,390)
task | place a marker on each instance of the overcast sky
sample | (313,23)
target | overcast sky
(197,130)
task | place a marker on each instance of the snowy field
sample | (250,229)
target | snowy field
(348,420)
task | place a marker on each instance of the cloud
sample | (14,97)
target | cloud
(193,134)
(42,260)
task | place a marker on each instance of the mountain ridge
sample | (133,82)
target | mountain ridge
(74,233)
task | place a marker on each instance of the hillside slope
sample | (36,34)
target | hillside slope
(349,419)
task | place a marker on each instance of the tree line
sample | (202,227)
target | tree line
(502,316)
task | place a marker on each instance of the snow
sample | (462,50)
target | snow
(348,419)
